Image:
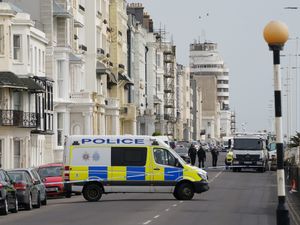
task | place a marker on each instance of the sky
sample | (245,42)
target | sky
(237,26)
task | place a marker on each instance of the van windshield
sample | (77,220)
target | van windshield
(248,144)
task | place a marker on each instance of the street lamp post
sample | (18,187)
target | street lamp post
(276,34)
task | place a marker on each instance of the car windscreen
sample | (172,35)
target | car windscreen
(17,176)
(248,144)
(53,171)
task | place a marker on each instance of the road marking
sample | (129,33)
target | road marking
(181,202)
(155,217)
(149,221)
(217,175)
(174,205)
(167,209)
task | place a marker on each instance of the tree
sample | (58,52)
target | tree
(295,140)
(156,133)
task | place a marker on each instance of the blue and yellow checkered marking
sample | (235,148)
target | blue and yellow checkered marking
(99,172)
(135,173)
(173,174)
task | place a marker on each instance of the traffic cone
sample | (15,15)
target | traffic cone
(294,187)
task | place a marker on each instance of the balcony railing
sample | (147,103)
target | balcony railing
(18,118)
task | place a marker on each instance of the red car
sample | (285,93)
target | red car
(52,176)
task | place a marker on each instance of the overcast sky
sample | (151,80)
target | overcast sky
(237,27)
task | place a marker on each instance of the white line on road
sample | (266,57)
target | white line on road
(167,209)
(149,221)
(181,202)
(174,205)
(155,217)
(217,175)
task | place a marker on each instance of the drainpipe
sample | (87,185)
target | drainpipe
(129,97)
(146,75)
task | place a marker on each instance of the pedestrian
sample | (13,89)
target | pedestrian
(192,154)
(229,144)
(214,154)
(201,157)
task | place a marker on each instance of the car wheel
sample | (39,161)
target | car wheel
(28,206)
(92,192)
(4,210)
(16,209)
(38,201)
(44,202)
(184,191)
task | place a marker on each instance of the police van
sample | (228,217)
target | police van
(128,164)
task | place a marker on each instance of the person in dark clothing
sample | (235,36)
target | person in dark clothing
(201,157)
(214,154)
(192,154)
(229,144)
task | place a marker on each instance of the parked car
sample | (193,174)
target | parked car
(27,189)
(42,188)
(8,195)
(52,176)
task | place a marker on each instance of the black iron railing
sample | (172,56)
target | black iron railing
(18,118)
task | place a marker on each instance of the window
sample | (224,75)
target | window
(2,40)
(164,157)
(60,79)
(40,66)
(158,60)
(43,61)
(59,129)
(17,47)
(128,156)
(28,50)
(17,154)
(17,101)
(158,84)
(1,153)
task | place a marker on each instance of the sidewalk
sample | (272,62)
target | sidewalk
(293,202)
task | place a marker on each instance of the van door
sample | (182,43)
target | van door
(165,172)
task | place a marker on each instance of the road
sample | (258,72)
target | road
(234,199)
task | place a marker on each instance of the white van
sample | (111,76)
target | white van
(121,164)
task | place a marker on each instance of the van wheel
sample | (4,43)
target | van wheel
(185,191)
(92,192)
(175,194)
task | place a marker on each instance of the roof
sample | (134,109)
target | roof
(11,80)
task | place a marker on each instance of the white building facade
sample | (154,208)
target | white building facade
(209,69)
(26,93)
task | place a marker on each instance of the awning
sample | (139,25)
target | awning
(101,69)
(124,77)
(9,79)
(32,86)
(75,59)
(59,11)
